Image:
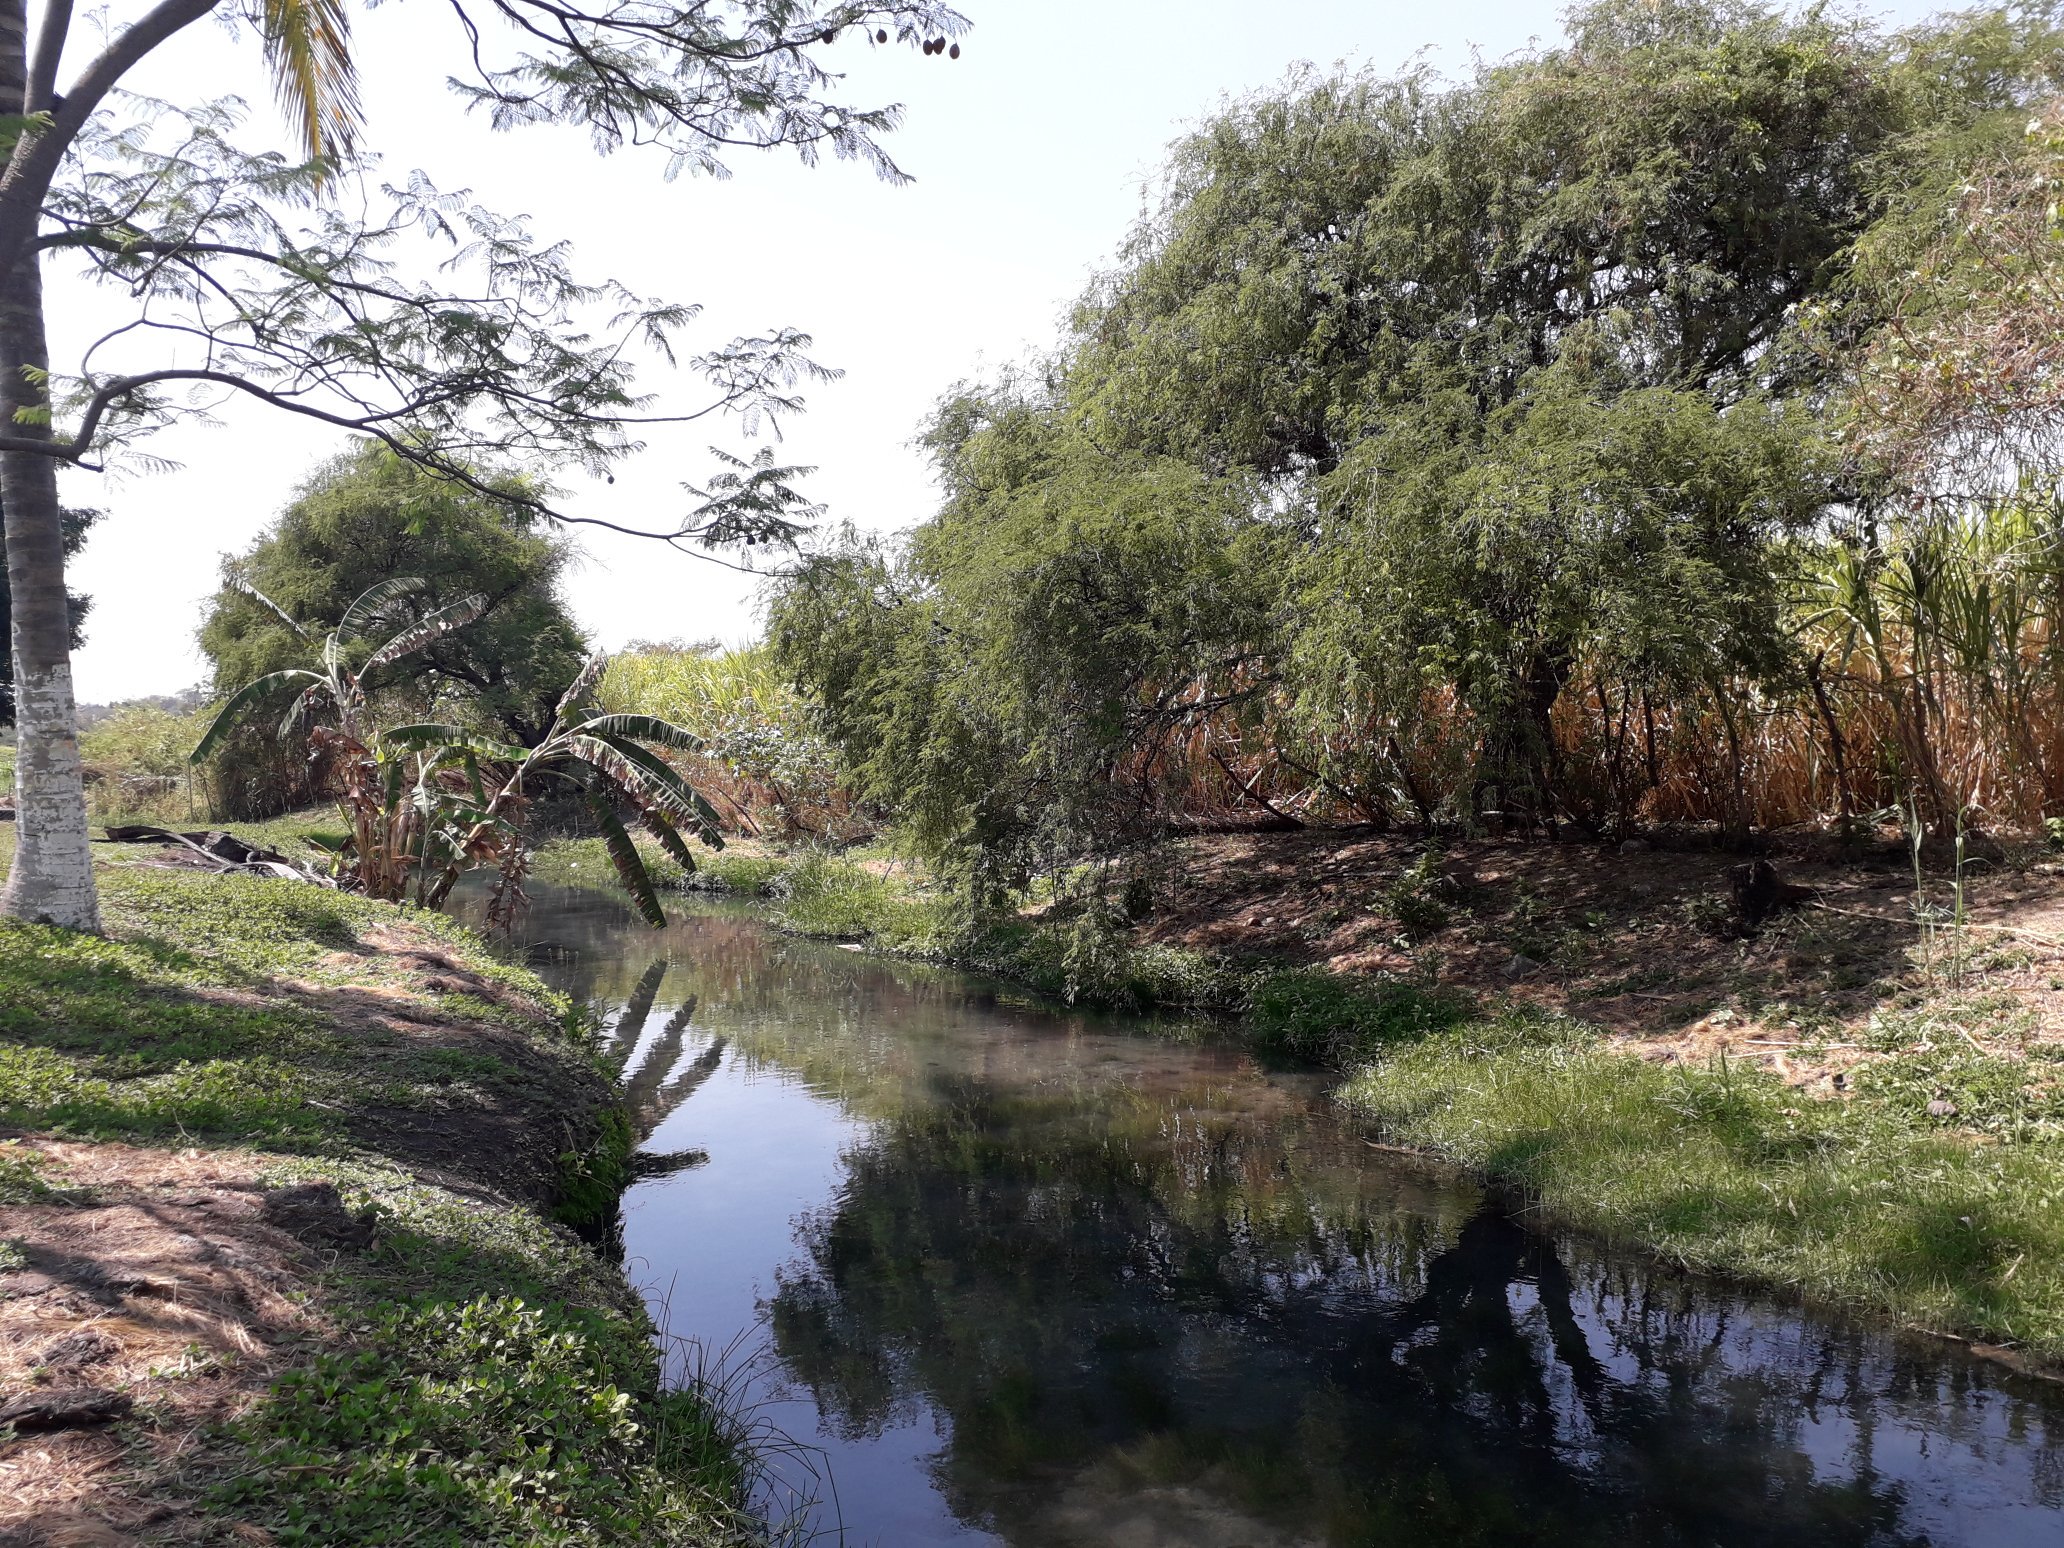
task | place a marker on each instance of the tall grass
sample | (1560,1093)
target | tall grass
(136,766)
(1928,678)
(764,763)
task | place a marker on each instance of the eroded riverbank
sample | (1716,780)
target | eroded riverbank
(280,1253)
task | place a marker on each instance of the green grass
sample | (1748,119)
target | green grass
(502,1387)
(492,1381)
(175,1021)
(1866,1203)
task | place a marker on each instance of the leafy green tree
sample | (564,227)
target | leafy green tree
(1066,608)
(1458,328)
(448,332)
(1638,531)
(1468,385)
(367,515)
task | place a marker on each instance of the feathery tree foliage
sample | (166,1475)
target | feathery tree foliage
(451,334)
(1416,419)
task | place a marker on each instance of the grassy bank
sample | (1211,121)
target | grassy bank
(295,1165)
(1948,1220)
(868,896)
(1928,1187)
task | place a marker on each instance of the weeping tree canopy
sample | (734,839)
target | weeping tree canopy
(368,515)
(1408,395)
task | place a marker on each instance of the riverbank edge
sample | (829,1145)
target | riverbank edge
(380,1146)
(1949,1226)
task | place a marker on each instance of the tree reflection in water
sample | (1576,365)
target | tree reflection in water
(1150,1295)
(1103,1317)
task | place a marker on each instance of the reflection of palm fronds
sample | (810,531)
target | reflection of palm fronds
(646,1165)
(700,1069)
(641,1090)
(630,1021)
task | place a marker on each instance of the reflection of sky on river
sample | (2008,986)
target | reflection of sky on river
(937,1191)
(776,1151)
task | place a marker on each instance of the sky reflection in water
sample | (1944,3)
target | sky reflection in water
(1041,1278)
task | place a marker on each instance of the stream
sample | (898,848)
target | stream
(1008,1273)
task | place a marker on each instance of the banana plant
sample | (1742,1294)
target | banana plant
(428,801)
(389,823)
(614,760)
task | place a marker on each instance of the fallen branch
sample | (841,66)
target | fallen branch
(224,852)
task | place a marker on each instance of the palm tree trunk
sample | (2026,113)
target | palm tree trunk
(52,878)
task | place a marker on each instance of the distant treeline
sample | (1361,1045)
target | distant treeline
(186,703)
(1659,427)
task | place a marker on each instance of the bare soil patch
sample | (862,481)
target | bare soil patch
(170,1282)
(1638,942)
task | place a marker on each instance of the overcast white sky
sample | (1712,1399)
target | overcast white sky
(1031,154)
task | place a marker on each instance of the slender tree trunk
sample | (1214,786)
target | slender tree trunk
(1837,749)
(52,879)
(1518,759)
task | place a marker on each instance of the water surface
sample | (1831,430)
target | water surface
(1032,1277)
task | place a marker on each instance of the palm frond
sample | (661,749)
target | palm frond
(630,865)
(308,47)
(431,629)
(242,703)
(669,839)
(584,682)
(238,584)
(644,728)
(644,774)
(370,604)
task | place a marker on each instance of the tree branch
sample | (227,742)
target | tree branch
(50,42)
(36,158)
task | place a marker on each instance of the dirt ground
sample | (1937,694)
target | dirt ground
(172,1286)
(165,1287)
(1638,940)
